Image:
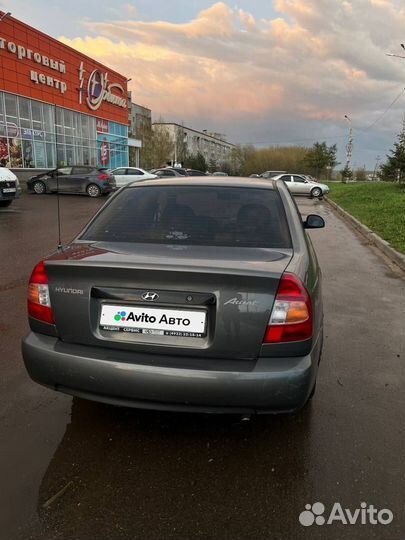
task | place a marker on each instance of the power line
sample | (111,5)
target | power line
(297,141)
(331,138)
(387,109)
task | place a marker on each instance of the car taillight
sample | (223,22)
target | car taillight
(104,177)
(291,316)
(39,302)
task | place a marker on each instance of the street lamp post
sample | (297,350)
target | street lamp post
(349,148)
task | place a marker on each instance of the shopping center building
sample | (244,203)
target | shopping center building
(57,106)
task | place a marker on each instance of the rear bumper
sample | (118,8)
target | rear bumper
(275,385)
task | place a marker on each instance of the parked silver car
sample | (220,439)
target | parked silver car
(126,175)
(302,185)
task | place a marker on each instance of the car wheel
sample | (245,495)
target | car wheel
(93,190)
(39,187)
(4,204)
(316,192)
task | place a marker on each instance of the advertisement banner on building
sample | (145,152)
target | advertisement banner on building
(39,67)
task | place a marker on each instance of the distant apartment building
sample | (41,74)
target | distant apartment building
(213,146)
(139,117)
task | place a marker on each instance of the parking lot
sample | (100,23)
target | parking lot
(136,474)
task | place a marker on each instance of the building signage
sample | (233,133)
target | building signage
(99,89)
(27,133)
(38,67)
(39,78)
(102,125)
(21,52)
(10,129)
(104,152)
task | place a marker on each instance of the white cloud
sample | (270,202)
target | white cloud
(313,63)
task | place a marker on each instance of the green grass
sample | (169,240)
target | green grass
(380,206)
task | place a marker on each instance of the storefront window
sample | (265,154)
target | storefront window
(24,107)
(49,119)
(35,134)
(60,155)
(50,156)
(11,106)
(70,155)
(59,121)
(40,156)
(36,108)
(27,154)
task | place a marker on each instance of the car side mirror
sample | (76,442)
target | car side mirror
(314,221)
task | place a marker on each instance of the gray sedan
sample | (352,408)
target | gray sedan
(202,297)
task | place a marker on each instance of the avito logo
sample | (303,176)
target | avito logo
(365,515)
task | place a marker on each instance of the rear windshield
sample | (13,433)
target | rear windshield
(193,215)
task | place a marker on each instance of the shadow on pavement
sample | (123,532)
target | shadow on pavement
(140,474)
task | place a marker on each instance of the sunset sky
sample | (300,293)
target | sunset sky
(263,72)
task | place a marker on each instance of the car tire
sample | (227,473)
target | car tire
(39,188)
(316,192)
(93,190)
(4,204)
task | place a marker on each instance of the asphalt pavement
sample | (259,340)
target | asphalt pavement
(72,469)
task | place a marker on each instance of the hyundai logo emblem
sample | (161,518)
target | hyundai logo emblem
(150,296)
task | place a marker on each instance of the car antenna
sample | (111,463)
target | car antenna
(60,247)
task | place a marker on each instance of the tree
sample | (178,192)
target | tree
(196,162)
(181,145)
(346,174)
(361,174)
(394,168)
(212,165)
(251,160)
(319,158)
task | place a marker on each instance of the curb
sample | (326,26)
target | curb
(381,244)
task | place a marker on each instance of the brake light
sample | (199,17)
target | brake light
(103,176)
(39,302)
(291,316)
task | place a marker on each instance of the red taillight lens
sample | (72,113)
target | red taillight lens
(291,316)
(104,177)
(39,302)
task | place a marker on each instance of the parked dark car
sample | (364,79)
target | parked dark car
(176,297)
(93,181)
(167,172)
(195,172)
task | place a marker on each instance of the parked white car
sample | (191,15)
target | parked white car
(126,175)
(9,187)
(301,185)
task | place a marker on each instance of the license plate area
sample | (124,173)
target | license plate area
(9,190)
(157,323)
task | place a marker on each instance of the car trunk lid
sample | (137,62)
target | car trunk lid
(226,294)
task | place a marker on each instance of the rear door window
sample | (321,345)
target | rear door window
(197,215)
(81,170)
(64,171)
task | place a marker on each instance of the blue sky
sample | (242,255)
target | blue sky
(53,18)
(261,71)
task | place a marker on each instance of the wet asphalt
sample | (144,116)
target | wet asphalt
(128,474)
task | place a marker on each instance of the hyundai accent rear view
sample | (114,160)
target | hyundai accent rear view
(202,295)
